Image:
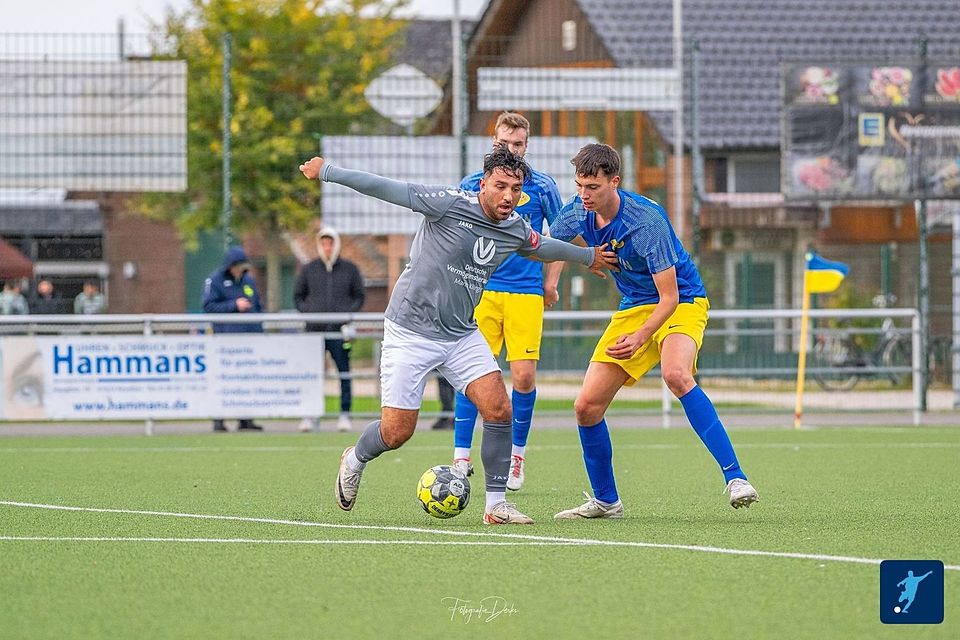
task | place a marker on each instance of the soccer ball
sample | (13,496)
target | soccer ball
(443,492)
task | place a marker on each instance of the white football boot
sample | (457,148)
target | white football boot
(348,483)
(463,466)
(505,513)
(592,509)
(516,476)
(742,493)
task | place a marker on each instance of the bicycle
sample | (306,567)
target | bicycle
(843,355)
(940,351)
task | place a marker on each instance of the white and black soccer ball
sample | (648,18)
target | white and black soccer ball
(443,492)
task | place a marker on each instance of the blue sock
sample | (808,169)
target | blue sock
(464,420)
(705,421)
(598,457)
(522,416)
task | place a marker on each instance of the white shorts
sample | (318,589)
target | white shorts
(407,359)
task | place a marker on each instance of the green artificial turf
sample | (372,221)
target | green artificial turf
(387,570)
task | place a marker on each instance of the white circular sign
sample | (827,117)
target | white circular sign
(403,94)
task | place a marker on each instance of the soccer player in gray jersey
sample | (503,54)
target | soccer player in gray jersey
(429,321)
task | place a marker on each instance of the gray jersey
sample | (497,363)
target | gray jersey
(454,253)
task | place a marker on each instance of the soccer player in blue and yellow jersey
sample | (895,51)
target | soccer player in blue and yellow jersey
(662,317)
(511,308)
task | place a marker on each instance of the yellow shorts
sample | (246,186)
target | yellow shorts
(514,318)
(690,319)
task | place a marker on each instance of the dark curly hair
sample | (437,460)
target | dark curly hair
(509,162)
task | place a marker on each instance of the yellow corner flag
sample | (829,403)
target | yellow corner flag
(820,276)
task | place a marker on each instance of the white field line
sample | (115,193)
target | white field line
(476,534)
(546,447)
(483,543)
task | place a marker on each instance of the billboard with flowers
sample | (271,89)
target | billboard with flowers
(871,131)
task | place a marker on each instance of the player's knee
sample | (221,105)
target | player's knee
(501,413)
(494,406)
(679,380)
(588,411)
(524,382)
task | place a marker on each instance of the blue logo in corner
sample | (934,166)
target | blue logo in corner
(911,592)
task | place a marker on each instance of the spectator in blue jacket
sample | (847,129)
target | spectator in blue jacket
(231,289)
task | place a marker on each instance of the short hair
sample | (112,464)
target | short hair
(509,162)
(594,158)
(512,120)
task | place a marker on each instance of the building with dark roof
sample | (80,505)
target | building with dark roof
(753,240)
(744,42)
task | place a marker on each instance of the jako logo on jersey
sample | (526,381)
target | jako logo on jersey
(483,252)
(464,223)
(524,199)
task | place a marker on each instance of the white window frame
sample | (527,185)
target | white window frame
(732,165)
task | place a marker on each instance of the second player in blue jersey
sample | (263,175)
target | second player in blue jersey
(510,312)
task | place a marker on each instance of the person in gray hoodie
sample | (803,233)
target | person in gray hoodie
(331,284)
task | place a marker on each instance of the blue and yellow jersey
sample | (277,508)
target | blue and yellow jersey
(645,243)
(540,201)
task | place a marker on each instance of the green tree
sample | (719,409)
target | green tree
(299,68)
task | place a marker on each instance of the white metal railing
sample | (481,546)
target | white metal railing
(370,325)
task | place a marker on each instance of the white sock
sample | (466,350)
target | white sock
(495,497)
(353,463)
(461,452)
(519,451)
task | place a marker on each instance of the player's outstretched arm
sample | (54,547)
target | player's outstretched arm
(550,250)
(369,184)
(603,260)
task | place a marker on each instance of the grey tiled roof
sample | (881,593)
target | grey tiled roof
(427,45)
(744,42)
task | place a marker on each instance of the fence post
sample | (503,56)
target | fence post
(916,365)
(923,295)
(679,219)
(226,211)
(148,331)
(696,155)
(954,363)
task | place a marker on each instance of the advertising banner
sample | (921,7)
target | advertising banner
(161,377)
(872,132)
